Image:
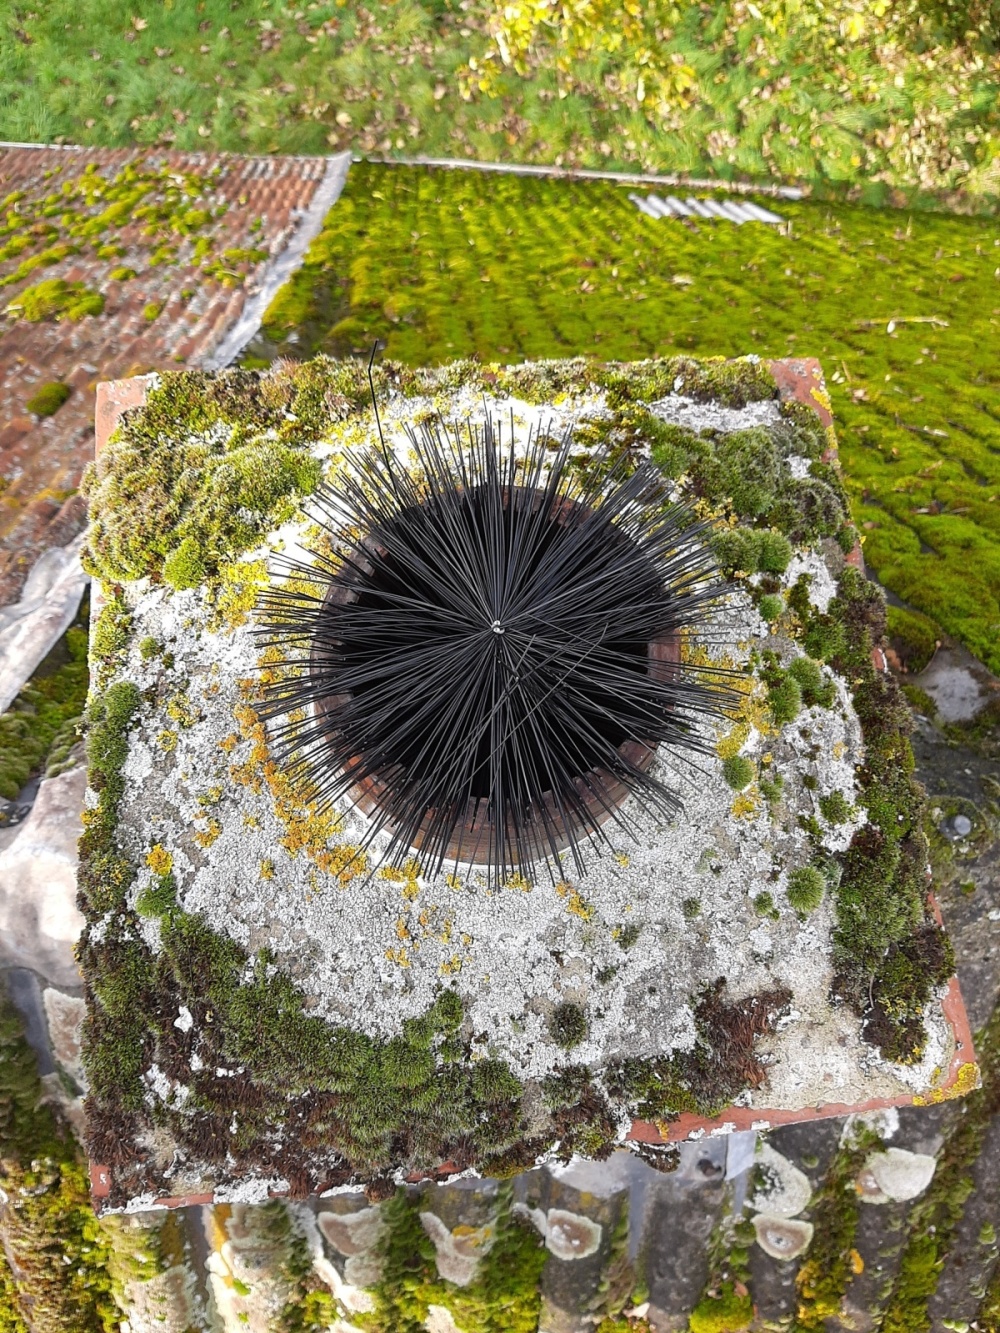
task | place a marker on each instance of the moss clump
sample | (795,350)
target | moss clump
(763,905)
(724,1311)
(158,486)
(785,700)
(504,1297)
(152,311)
(55,299)
(772,788)
(184,566)
(934,1219)
(751,551)
(149,648)
(824,1275)
(122,274)
(691,908)
(706,1078)
(568,1025)
(913,636)
(738,772)
(159,898)
(47,401)
(835,808)
(56,1274)
(770,606)
(817,690)
(46,711)
(805,888)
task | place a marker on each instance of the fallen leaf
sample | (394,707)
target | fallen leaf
(343,118)
(204,131)
(139,24)
(682,280)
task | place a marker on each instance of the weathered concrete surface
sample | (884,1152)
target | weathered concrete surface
(39,921)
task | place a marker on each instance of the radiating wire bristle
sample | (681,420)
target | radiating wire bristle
(477,653)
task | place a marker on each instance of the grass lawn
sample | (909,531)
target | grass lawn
(449,264)
(875,97)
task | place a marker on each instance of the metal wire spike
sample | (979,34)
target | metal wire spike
(485,657)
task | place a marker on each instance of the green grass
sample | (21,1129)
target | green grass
(449,264)
(834,93)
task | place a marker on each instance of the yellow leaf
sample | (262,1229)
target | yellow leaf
(857,1263)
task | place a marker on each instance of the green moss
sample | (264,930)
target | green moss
(826,1272)
(915,637)
(504,1297)
(691,907)
(156,487)
(184,566)
(51,1236)
(122,274)
(159,898)
(723,1312)
(835,808)
(805,888)
(627,935)
(919,700)
(55,298)
(47,401)
(149,648)
(785,700)
(568,1025)
(46,711)
(771,606)
(738,772)
(153,309)
(772,788)
(816,688)
(763,905)
(933,1221)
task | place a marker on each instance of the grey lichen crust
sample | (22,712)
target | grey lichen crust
(592,970)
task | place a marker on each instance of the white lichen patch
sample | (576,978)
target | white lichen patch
(665,910)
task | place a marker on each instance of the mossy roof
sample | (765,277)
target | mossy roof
(260,1011)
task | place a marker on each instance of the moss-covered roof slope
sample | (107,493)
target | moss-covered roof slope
(267,1009)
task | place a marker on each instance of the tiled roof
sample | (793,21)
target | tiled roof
(200,286)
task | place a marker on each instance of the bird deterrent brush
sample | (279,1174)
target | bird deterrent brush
(485,655)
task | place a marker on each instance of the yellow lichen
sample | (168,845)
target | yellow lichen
(230,743)
(267,870)
(206,838)
(575,902)
(747,804)
(399,956)
(451,966)
(182,711)
(159,860)
(167,741)
(240,583)
(518,882)
(966,1081)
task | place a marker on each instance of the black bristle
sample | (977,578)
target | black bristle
(479,653)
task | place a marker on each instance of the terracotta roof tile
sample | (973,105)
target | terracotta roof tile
(37,456)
